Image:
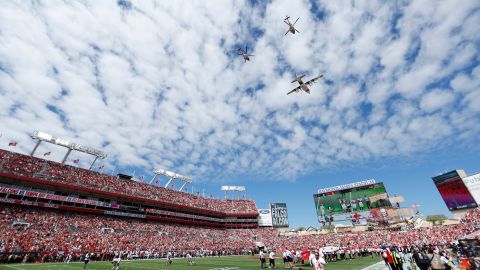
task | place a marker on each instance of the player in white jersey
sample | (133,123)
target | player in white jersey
(318,262)
(298,255)
(68,258)
(360,203)
(261,255)
(311,257)
(169,259)
(189,258)
(86,259)
(289,257)
(271,259)
(344,205)
(116,261)
(354,204)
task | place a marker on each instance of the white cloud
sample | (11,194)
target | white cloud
(436,99)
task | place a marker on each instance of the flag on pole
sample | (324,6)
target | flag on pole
(76,161)
(47,153)
(101,167)
(12,144)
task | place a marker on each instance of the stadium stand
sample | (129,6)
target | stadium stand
(50,234)
(28,166)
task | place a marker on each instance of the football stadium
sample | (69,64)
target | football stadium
(58,216)
(239,135)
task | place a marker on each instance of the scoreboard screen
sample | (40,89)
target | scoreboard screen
(453,191)
(350,203)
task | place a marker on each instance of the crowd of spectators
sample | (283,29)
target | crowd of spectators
(28,166)
(42,231)
(419,236)
(50,234)
(472,217)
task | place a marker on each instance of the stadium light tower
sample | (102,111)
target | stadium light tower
(45,137)
(171,176)
(227,189)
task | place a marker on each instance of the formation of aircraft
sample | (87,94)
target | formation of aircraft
(304,86)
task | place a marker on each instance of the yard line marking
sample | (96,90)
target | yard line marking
(138,267)
(376,266)
(13,267)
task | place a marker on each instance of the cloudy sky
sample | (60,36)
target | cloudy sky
(158,83)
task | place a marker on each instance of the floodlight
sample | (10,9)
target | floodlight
(172,176)
(45,137)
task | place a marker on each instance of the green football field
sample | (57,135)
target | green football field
(222,263)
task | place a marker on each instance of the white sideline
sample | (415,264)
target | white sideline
(377,266)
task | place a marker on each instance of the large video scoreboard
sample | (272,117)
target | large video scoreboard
(350,201)
(453,190)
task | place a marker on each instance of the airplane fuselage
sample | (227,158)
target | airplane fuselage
(305,88)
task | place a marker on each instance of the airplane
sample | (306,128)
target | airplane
(291,27)
(303,86)
(244,54)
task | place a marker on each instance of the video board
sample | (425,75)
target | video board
(352,201)
(454,192)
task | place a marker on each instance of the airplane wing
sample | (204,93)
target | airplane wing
(294,90)
(313,80)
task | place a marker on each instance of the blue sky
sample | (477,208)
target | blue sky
(157,84)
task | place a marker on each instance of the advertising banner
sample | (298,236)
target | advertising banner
(472,183)
(264,217)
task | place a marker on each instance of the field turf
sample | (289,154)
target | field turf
(212,263)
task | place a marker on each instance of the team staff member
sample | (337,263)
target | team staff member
(271,258)
(261,255)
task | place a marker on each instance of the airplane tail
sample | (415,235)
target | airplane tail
(298,78)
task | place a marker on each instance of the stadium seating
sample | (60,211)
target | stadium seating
(23,165)
(45,232)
